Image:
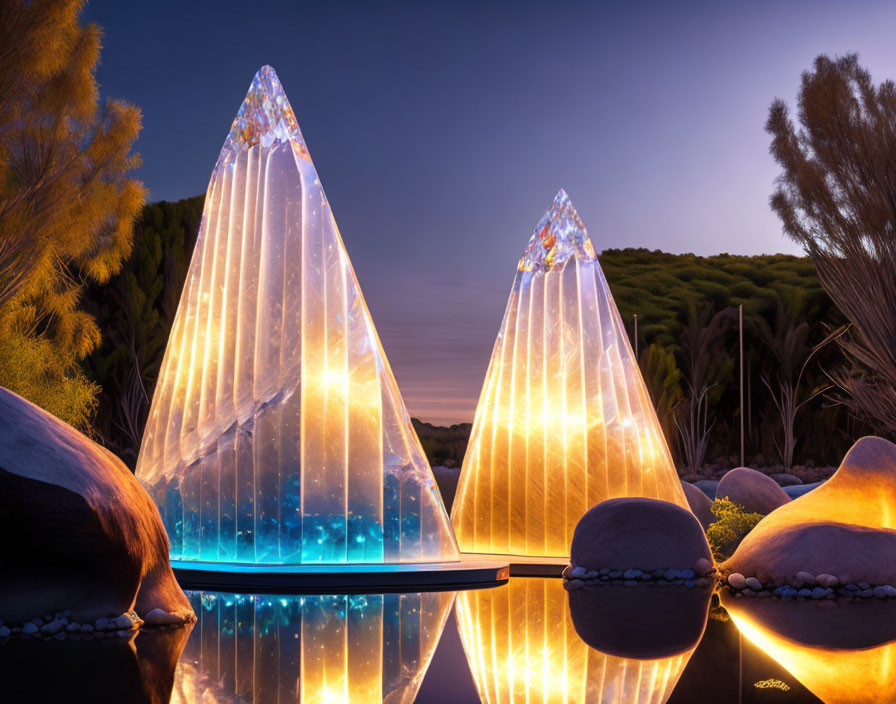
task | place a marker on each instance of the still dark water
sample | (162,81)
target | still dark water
(524,642)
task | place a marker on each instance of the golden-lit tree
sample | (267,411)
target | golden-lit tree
(67,205)
(836,196)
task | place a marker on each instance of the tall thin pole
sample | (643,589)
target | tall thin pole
(636,336)
(740,334)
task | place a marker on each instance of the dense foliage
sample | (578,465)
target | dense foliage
(730,527)
(67,205)
(135,310)
(671,293)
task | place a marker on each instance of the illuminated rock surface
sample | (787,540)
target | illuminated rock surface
(843,655)
(564,420)
(277,433)
(523,645)
(80,533)
(846,527)
(327,649)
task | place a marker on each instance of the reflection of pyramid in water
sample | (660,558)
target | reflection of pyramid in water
(522,647)
(277,433)
(564,420)
(329,649)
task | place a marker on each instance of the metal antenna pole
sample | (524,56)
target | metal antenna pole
(740,325)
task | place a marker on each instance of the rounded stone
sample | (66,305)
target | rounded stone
(649,533)
(737,581)
(754,584)
(700,503)
(827,580)
(752,490)
(703,567)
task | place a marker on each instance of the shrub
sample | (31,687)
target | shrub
(731,527)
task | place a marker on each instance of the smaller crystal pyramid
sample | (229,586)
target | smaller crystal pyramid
(564,420)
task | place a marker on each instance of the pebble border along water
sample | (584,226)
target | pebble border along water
(700,575)
(805,586)
(60,627)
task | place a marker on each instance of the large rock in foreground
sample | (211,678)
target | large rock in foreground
(753,490)
(844,529)
(640,534)
(79,531)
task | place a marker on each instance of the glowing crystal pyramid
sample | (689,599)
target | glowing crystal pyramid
(277,433)
(522,646)
(326,649)
(564,420)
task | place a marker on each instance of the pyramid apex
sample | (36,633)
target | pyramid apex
(265,116)
(559,235)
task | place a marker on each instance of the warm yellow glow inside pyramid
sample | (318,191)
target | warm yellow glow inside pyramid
(564,420)
(522,646)
(277,433)
(311,649)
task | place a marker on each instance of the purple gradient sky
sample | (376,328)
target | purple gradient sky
(441,131)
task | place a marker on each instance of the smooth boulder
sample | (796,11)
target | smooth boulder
(635,532)
(846,527)
(80,532)
(700,503)
(753,490)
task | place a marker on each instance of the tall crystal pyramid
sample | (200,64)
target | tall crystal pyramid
(564,420)
(277,433)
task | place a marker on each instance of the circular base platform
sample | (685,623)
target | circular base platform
(336,578)
(524,565)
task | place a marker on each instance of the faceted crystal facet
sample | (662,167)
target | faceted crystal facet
(313,649)
(559,236)
(564,420)
(264,118)
(522,646)
(277,433)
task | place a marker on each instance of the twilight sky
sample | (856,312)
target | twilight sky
(442,130)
